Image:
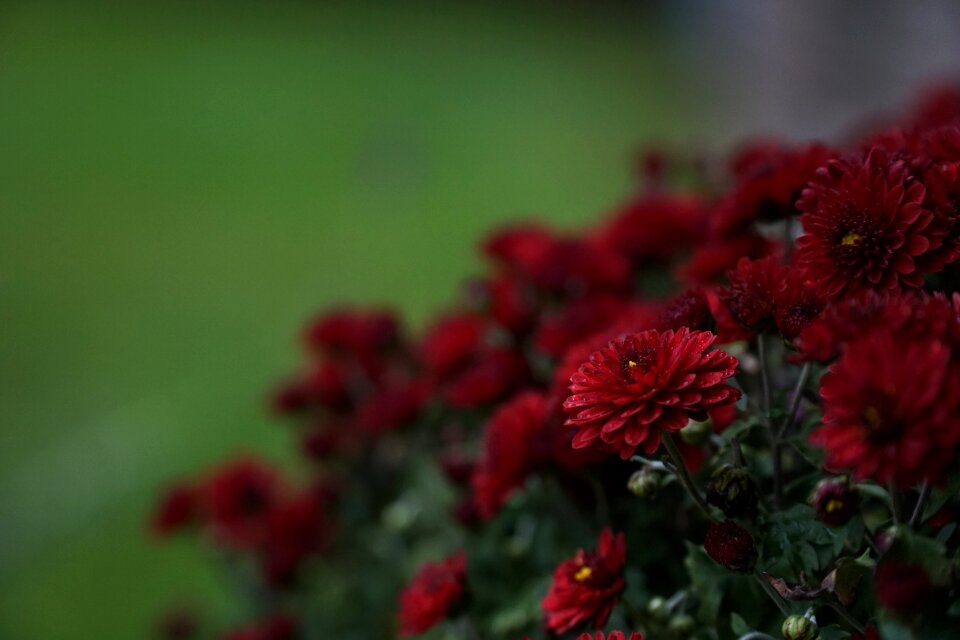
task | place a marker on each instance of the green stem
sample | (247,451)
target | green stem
(795,401)
(895,506)
(843,613)
(775,449)
(917,516)
(770,591)
(683,475)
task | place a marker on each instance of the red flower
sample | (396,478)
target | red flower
(640,385)
(432,593)
(237,498)
(508,447)
(293,531)
(835,501)
(613,635)
(450,342)
(176,509)
(901,587)
(870,633)
(690,309)
(587,587)
(865,226)
(730,545)
(750,295)
(491,374)
(891,409)
(359,332)
(796,304)
(654,229)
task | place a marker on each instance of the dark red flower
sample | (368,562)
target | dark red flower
(353,331)
(587,587)
(450,342)
(749,297)
(865,226)
(507,455)
(731,546)
(397,402)
(712,259)
(237,498)
(870,633)
(901,587)
(771,178)
(177,509)
(796,303)
(613,635)
(431,595)
(641,385)
(690,309)
(294,530)
(891,409)
(835,501)
(276,627)
(655,229)
(493,373)
(578,318)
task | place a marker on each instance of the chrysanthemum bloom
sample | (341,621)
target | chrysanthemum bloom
(690,309)
(891,409)
(507,455)
(294,530)
(431,595)
(587,587)
(176,509)
(835,501)
(641,385)
(865,227)
(237,498)
(750,295)
(731,546)
(901,587)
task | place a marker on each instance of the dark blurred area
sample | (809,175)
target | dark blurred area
(184,183)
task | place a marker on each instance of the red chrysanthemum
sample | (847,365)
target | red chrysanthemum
(276,627)
(690,309)
(176,509)
(750,295)
(901,587)
(730,545)
(655,229)
(429,597)
(294,530)
(891,409)
(237,498)
(641,385)
(711,261)
(865,226)
(587,587)
(508,448)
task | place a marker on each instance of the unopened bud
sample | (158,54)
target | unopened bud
(799,628)
(696,433)
(682,625)
(644,483)
(733,490)
(657,608)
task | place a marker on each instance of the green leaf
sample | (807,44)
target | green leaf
(707,581)
(738,625)
(849,573)
(893,630)
(833,632)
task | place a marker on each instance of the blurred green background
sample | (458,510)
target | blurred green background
(183,183)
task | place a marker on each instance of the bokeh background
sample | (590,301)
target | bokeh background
(183,183)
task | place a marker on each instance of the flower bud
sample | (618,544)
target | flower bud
(835,501)
(731,546)
(644,483)
(696,433)
(681,625)
(657,608)
(733,490)
(799,628)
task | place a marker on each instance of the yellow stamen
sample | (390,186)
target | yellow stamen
(834,505)
(582,574)
(850,239)
(631,364)
(872,416)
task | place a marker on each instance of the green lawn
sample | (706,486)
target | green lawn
(182,183)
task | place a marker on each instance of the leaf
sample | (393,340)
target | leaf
(738,625)
(847,576)
(707,581)
(872,490)
(893,630)
(833,632)
(795,593)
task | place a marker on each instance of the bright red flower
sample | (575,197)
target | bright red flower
(901,587)
(731,546)
(865,226)
(508,450)
(237,498)
(891,409)
(430,596)
(641,385)
(177,509)
(587,587)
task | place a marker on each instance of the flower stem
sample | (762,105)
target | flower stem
(769,590)
(917,516)
(843,613)
(895,506)
(683,475)
(775,448)
(795,401)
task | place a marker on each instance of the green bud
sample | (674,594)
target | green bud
(799,628)
(682,625)
(657,608)
(696,433)
(644,483)
(733,490)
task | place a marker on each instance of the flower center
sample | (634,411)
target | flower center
(871,416)
(582,574)
(834,505)
(851,239)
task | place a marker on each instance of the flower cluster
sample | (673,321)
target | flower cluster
(727,408)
